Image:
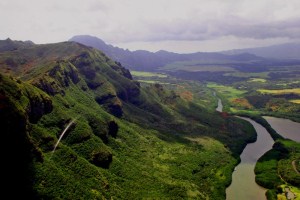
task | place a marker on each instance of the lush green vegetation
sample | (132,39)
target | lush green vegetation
(270,90)
(248,86)
(128,141)
(276,169)
(265,88)
(232,97)
(245,97)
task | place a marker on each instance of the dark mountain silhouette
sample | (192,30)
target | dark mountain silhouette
(10,45)
(149,61)
(282,51)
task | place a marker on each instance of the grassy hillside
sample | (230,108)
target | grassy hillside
(127,141)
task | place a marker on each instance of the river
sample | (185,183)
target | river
(220,105)
(243,184)
(285,127)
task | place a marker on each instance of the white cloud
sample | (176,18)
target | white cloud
(151,21)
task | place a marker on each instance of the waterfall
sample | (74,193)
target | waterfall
(62,134)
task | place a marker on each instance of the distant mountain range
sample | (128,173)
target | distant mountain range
(149,61)
(282,51)
(9,45)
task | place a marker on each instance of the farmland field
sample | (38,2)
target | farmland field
(227,91)
(147,74)
(283,91)
(297,101)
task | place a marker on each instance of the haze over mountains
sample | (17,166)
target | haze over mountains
(149,61)
(282,51)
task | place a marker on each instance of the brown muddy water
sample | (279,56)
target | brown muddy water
(220,106)
(243,184)
(285,127)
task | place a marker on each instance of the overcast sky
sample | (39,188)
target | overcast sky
(174,25)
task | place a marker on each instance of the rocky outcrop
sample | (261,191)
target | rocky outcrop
(102,158)
(50,87)
(116,109)
(64,72)
(117,66)
(58,77)
(19,104)
(37,107)
(113,128)
(111,103)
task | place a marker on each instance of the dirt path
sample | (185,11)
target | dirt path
(289,194)
(294,166)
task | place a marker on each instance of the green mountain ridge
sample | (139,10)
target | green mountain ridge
(127,141)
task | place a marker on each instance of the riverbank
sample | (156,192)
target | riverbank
(243,184)
(275,170)
(285,127)
(250,174)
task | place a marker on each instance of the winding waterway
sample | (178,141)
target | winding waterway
(220,106)
(285,127)
(243,185)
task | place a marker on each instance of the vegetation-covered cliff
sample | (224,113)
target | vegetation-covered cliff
(126,141)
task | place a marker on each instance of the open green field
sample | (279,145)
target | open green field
(151,81)
(278,92)
(150,77)
(147,74)
(227,91)
(233,99)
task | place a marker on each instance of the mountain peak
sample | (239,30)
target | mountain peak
(9,44)
(87,39)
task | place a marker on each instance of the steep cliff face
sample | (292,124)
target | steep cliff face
(114,138)
(64,78)
(54,67)
(20,105)
(69,81)
(27,100)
